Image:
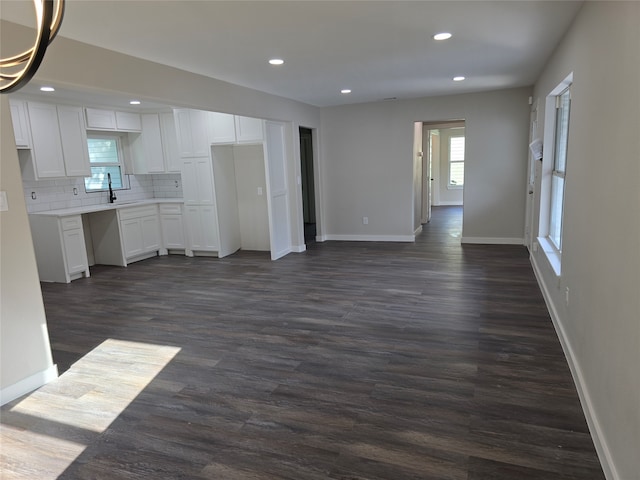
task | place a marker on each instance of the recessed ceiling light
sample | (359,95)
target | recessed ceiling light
(458,79)
(276,61)
(134,102)
(47,89)
(345,90)
(442,36)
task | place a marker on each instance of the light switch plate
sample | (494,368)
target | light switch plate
(4,203)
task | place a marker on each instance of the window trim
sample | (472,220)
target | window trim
(455,186)
(126,184)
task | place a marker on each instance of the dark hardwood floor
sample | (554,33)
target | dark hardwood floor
(351,361)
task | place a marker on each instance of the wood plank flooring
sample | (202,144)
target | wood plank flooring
(350,361)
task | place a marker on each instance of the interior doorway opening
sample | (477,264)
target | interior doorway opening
(308,188)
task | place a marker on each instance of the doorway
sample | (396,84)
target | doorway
(308,190)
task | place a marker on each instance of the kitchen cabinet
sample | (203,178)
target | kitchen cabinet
(248,130)
(60,248)
(59,143)
(202,228)
(140,232)
(155,150)
(197,181)
(172,161)
(222,128)
(172,226)
(20,122)
(191,130)
(101,119)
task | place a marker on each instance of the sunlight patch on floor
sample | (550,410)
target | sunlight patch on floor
(60,419)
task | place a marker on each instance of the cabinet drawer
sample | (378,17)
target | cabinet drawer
(137,212)
(171,209)
(71,223)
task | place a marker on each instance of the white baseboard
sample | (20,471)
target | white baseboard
(493,240)
(447,204)
(28,384)
(371,238)
(417,232)
(599,441)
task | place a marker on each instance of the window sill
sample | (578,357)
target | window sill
(553,256)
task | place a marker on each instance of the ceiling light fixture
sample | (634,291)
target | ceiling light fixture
(16,71)
(134,102)
(458,79)
(47,88)
(276,61)
(442,36)
(345,91)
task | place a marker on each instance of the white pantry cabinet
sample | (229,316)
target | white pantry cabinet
(60,248)
(197,181)
(20,121)
(140,232)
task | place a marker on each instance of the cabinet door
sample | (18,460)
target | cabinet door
(74,141)
(172,231)
(190,181)
(20,124)
(152,144)
(101,119)
(209,223)
(223,128)
(205,181)
(150,228)
(128,122)
(132,237)
(193,224)
(47,147)
(248,130)
(199,132)
(170,143)
(75,251)
(183,132)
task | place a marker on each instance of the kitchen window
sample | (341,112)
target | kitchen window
(105,159)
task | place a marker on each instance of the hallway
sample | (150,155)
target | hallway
(353,360)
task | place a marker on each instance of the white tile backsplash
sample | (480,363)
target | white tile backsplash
(59,193)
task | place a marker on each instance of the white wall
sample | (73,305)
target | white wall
(368,168)
(600,326)
(25,355)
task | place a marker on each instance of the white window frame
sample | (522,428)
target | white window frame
(551,247)
(120,163)
(450,185)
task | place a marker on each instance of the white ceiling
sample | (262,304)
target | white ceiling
(379,49)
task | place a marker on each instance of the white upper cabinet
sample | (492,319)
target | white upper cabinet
(248,130)
(74,141)
(147,152)
(222,128)
(173,164)
(197,181)
(101,119)
(46,154)
(20,122)
(191,129)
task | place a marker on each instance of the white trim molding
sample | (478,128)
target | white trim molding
(28,385)
(299,248)
(417,232)
(448,203)
(597,435)
(371,238)
(494,240)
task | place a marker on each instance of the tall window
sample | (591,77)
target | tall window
(105,158)
(456,161)
(561,140)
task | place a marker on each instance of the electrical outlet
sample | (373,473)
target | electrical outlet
(365,220)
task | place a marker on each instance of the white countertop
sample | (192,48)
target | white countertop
(107,206)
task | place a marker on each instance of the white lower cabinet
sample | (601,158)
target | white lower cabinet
(61,252)
(172,226)
(140,232)
(202,228)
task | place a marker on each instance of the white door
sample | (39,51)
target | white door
(277,189)
(224,177)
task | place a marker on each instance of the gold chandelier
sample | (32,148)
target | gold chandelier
(16,71)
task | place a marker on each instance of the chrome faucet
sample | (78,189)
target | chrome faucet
(112,197)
